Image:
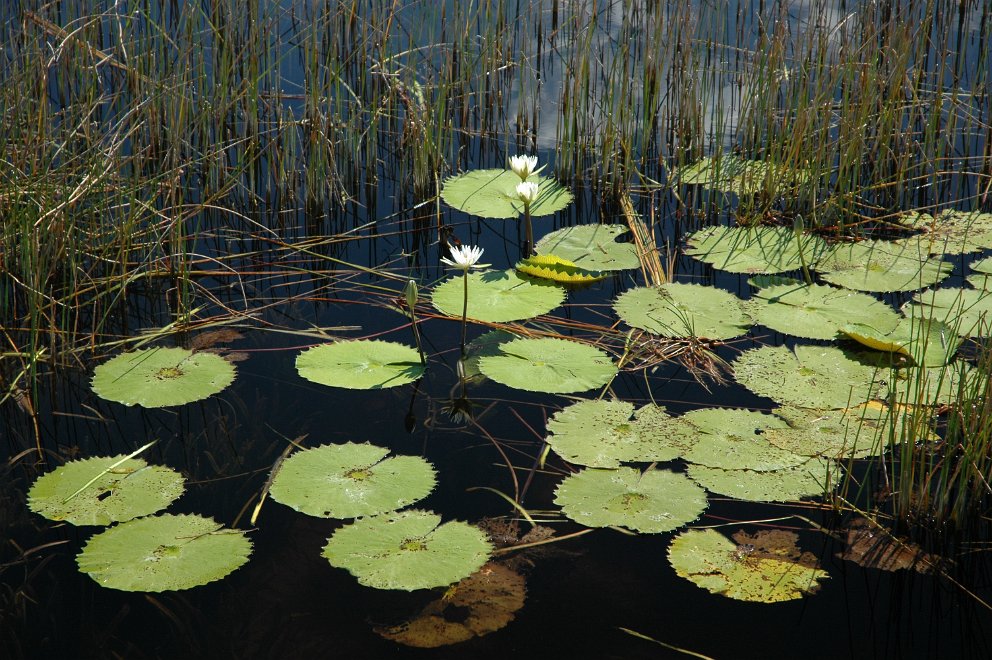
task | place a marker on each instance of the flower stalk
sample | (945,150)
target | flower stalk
(464,258)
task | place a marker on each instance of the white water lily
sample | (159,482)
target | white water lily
(464,257)
(527,192)
(523,166)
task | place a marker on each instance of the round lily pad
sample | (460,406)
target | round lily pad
(651,502)
(810,479)
(163,553)
(364,364)
(351,480)
(493,194)
(158,377)
(408,550)
(928,343)
(104,490)
(684,310)
(817,311)
(731,174)
(859,432)
(602,434)
(498,296)
(882,266)
(547,364)
(754,249)
(810,377)
(593,247)
(968,311)
(745,570)
(951,232)
(733,439)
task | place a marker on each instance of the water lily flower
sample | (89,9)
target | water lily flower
(523,166)
(464,257)
(527,192)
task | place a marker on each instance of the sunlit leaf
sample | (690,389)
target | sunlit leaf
(754,249)
(684,310)
(733,439)
(927,343)
(967,311)
(951,232)
(865,430)
(882,266)
(547,364)
(810,479)
(361,364)
(731,174)
(157,377)
(817,311)
(556,269)
(493,194)
(498,296)
(593,247)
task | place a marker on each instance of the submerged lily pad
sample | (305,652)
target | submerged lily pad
(684,310)
(951,232)
(754,249)
(163,553)
(158,377)
(351,480)
(968,311)
(408,550)
(745,570)
(498,296)
(554,268)
(493,194)
(882,266)
(731,174)
(652,501)
(549,365)
(363,364)
(810,377)
(733,439)
(810,479)
(104,490)
(818,311)
(602,434)
(927,343)
(593,247)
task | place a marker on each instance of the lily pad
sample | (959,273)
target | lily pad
(882,266)
(859,432)
(554,268)
(732,439)
(351,480)
(817,311)
(104,490)
(602,434)
(951,232)
(363,364)
(593,247)
(652,501)
(754,249)
(408,550)
(482,603)
(927,343)
(498,296)
(934,386)
(744,570)
(482,346)
(968,311)
(731,174)
(158,377)
(810,479)
(810,377)
(493,194)
(163,553)
(981,274)
(549,365)
(684,310)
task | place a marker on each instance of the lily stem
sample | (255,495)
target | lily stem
(529,240)
(464,311)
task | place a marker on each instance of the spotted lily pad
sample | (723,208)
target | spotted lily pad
(163,553)
(548,365)
(104,490)
(731,174)
(810,377)
(733,439)
(498,296)
(351,480)
(927,343)
(968,311)
(593,247)
(865,430)
(817,311)
(158,377)
(362,364)
(493,194)
(652,501)
(747,569)
(882,266)
(408,550)
(602,434)
(951,232)
(810,479)
(754,249)
(684,310)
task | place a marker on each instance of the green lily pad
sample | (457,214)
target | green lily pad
(882,266)
(968,311)
(104,490)
(754,249)
(549,365)
(602,434)
(951,232)
(733,439)
(158,377)
(859,432)
(981,277)
(730,174)
(928,343)
(593,247)
(493,194)
(482,346)
(684,310)
(363,364)
(934,386)
(747,570)
(810,479)
(408,550)
(498,296)
(817,311)
(163,553)
(810,377)
(351,480)
(554,268)
(651,502)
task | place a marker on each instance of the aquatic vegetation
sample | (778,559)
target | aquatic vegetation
(360,364)
(882,266)
(810,479)
(548,364)
(858,432)
(556,269)
(733,439)
(730,174)
(969,311)
(950,232)
(592,247)
(158,377)
(497,296)
(927,343)
(464,258)
(684,310)
(754,249)
(819,311)
(495,194)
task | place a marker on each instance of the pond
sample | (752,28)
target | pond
(720,388)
